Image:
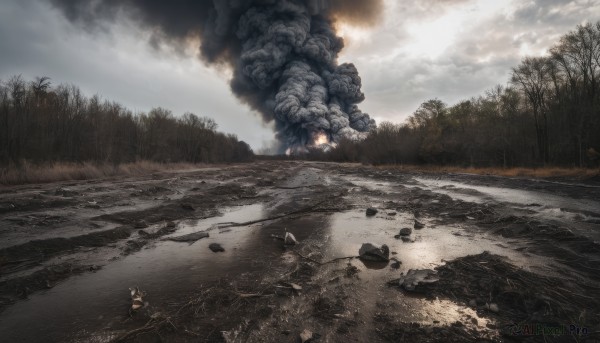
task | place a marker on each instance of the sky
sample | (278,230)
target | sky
(419,50)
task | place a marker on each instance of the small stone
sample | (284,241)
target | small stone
(405,231)
(372,252)
(306,335)
(472,303)
(170,224)
(493,307)
(391,213)
(371,211)
(216,247)
(418,225)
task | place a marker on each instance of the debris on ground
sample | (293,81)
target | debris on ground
(405,231)
(371,211)
(306,335)
(216,247)
(417,277)
(136,299)
(396,264)
(490,282)
(373,252)
(289,239)
(191,238)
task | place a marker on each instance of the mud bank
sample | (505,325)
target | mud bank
(507,255)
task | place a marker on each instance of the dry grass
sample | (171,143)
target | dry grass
(544,172)
(30,173)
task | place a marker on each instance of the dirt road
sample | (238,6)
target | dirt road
(511,259)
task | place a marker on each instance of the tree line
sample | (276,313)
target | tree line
(41,123)
(548,114)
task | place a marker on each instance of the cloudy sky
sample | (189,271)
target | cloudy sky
(421,49)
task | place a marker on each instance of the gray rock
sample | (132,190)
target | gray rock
(371,211)
(405,231)
(216,247)
(372,252)
(418,225)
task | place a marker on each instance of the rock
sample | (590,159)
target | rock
(405,231)
(306,335)
(391,213)
(416,277)
(405,239)
(418,225)
(170,224)
(289,239)
(472,303)
(372,252)
(371,211)
(396,265)
(216,247)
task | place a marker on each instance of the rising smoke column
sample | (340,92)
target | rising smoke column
(283,54)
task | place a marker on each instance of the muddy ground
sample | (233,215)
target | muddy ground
(511,259)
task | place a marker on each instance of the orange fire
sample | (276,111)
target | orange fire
(320,138)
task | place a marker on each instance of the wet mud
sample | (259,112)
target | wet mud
(512,259)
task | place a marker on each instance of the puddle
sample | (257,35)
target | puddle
(431,247)
(235,214)
(508,195)
(168,272)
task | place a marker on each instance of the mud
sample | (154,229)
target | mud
(510,254)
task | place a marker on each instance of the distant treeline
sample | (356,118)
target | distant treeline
(40,123)
(549,114)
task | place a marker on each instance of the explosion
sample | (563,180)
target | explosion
(320,138)
(283,54)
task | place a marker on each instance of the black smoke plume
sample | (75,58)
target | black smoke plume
(283,54)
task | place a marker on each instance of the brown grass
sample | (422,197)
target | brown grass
(28,173)
(544,172)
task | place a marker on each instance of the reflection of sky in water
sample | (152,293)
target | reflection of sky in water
(509,195)
(431,245)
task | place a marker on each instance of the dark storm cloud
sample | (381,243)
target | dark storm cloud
(283,54)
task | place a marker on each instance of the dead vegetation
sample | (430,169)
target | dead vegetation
(542,173)
(64,171)
(520,296)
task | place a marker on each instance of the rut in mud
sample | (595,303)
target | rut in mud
(206,249)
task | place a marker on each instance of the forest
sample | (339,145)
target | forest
(548,114)
(44,124)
